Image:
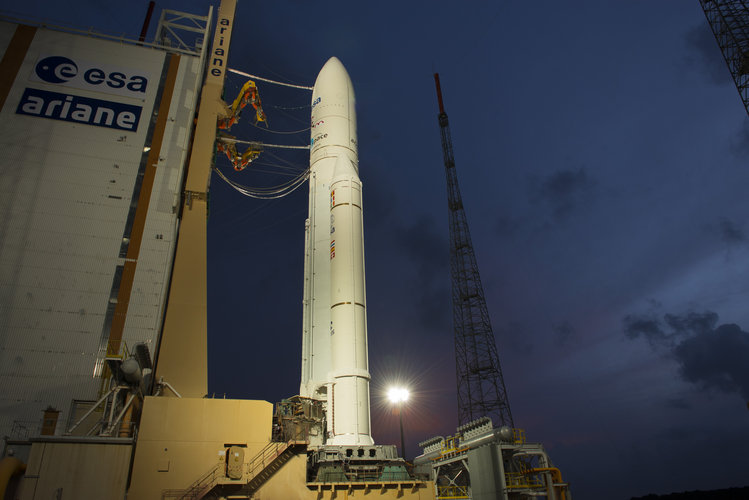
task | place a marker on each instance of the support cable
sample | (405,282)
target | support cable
(265,129)
(242,73)
(267,193)
(257,143)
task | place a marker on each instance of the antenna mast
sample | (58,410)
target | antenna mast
(481,387)
(729,20)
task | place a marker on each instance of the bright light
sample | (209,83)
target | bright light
(398,394)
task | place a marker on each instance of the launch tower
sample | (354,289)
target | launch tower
(481,387)
(729,20)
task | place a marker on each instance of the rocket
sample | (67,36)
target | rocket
(335,366)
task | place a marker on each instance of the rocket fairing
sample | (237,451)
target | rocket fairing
(335,367)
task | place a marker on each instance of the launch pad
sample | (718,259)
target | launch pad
(153,433)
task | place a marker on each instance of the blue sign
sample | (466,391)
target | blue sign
(60,70)
(77,109)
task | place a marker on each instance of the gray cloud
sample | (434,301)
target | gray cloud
(429,277)
(564,333)
(717,359)
(564,190)
(691,323)
(678,404)
(709,357)
(705,56)
(507,226)
(514,337)
(645,326)
(740,142)
(728,230)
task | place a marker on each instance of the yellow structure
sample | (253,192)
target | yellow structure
(182,358)
(187,446)
(76,468)
(183,439)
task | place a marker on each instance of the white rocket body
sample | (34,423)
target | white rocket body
(335,365)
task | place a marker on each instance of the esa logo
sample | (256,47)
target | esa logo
(62,70)
(56,69)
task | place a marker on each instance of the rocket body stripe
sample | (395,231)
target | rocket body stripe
(334,348)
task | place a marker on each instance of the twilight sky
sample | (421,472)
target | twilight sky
(601,149)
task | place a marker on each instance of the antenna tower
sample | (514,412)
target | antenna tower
(481,387)
(729,20)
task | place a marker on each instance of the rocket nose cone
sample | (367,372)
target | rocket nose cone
(333,62)
(333,71)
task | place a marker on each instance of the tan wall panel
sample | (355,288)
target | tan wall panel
(182,358)
(76,470)
(188,435)
(289,482)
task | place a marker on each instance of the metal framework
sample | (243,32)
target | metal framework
(183,32)
(729,20)
(481,387)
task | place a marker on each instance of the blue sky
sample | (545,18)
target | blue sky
(601,151)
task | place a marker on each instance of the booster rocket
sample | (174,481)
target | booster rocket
(335,366)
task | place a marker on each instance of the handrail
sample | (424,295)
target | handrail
(255,467)
(197,488)
(264,458)
(267,456)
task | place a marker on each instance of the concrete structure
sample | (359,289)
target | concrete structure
(95,135)
(76,468)
(480,462)
(181,440)
(183,361)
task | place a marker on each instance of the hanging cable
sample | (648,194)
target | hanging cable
(262,144)
(270,192)
(306,106)
(242,73)
(279,131)
(291,165)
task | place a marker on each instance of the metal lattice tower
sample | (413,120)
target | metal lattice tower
(729,20)
(481,387)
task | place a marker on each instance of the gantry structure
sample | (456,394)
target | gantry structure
(729,21)
(481,386)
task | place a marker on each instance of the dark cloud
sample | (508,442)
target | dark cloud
(507,226)
(563,333)
(717,359)
(729,231)
(678,404)
(709,357)
(740,142)
(564,190)
(427,276)
(514,336)
(674,434)
(705,56)
(645,326)
(691,323)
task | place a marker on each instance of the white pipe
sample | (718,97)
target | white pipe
(89,412)
(167,384)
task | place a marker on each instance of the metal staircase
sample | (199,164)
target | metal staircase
(259,469)
(200,487)
(267,462)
